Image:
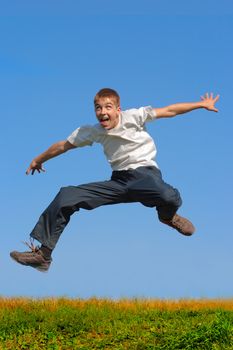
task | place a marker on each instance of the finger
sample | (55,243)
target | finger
(216,98)
(213,109)
(202,98)
(207,95)
(28,171)
(211,95)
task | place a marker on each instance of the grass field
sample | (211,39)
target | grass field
(124,324)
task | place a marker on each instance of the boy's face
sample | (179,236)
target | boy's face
(107,112)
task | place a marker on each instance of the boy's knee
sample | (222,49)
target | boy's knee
(66,191)
(63,195)
(171,196)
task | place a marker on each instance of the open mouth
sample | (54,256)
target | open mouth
(105,118)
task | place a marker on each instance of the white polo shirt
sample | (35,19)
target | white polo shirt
(128,145)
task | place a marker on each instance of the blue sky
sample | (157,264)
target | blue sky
(54,56)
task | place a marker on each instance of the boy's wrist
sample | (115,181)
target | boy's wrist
(202,104)
(38,161)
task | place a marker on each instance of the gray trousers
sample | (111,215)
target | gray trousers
(144,185)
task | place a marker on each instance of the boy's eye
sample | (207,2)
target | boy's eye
(98,108)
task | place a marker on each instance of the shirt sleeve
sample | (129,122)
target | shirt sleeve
(81,137)
(146,114)
(150,113)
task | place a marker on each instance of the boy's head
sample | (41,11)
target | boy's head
(107,92)
(107,108)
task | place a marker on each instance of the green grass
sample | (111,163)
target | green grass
(101,324)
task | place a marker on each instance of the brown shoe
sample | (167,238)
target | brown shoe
(34,258)
(181,224)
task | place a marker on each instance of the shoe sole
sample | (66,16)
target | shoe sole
(186,234)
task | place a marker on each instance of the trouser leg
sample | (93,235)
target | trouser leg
(170,203)
(70,199)
(149,188)
(145,185)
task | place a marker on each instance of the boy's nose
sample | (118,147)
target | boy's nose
(103,111)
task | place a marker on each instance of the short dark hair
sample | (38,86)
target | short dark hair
(107,92)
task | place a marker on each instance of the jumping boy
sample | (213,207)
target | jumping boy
(131,151)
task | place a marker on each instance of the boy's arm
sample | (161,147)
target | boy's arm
(53,151)
(207,102)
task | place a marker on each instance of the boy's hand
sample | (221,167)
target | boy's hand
(34,166)
(208,102)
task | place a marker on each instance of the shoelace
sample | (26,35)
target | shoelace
(31,246)
(177,222)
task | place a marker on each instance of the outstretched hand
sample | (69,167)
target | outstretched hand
(209,101)
(34,166)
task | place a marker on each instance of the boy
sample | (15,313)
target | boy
(135,178)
